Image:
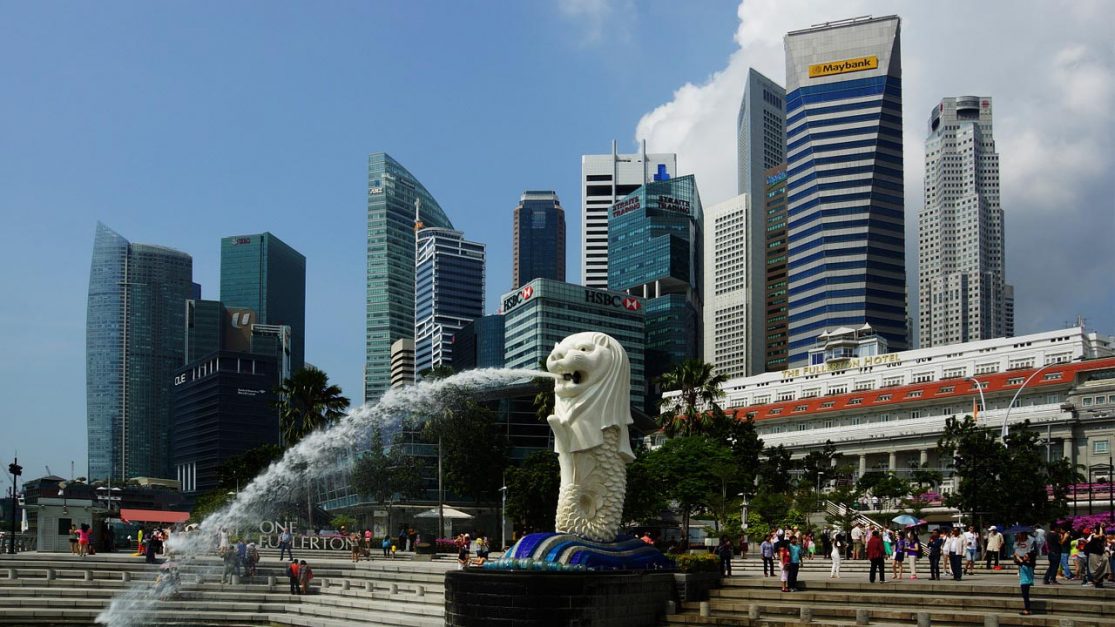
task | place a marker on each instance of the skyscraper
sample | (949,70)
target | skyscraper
(448,293)
(539,240)
(392,195)
(133,344)
(761,144)
(604,180)
(654,252)
(963,294)
(729,311)
(262,273)
(776,317)
(847,263)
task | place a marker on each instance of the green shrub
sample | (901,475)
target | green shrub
(697,562)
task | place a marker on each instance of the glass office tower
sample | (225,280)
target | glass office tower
(847,260)
(262,273)
(134,342)
(448,293)
(394,197)
(654,252)
(539,238)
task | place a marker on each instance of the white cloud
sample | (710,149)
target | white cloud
(595,18)
(1051,72)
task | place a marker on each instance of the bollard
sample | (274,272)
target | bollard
(420,591)
(50,574)
(704,609)
(345,584)
(753,611)
(991,620)
(11,573)
(806,614)
(923,619)
(862,617)
(271,581)
(324,583)
(87,575)
(671,608)
(125,576)
(369,586)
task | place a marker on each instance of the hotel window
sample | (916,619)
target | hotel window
(1059,358)
(892,381)
(855,401)
(827,404)
(946,389)
(864,385)
(883,397)
(856,421)
(923,377)
(987,368)
(826,424)
(803,427)
(884,418)
(839,389)
(1087,401)
(1015,381)
(776,411)
(785,396)
(811,392)
(801,408)
(1100,447)
(914,394)
(916,414)
(1018,364)
(953,373)
(1052,376)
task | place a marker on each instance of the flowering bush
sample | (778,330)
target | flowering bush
(1103,519)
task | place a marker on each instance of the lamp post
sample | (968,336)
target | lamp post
(16,470)
(1006,428)
(503,519)
(440,494)
(979,388)
(744,504)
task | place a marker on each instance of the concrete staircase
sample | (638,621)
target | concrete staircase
(61,589)
(986,601)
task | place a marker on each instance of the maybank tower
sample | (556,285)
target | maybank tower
(846,255)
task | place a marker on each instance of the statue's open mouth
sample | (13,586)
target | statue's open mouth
(575,377)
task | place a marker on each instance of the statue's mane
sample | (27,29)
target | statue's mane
(608,400)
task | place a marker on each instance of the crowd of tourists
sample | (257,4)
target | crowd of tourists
(1062,554)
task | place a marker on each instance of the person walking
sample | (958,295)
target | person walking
(857,542)
(784,564)
(725,551)
(251,562)
(955,548)
(228,556)
(935,543)
(1025,554)
(73,540)
(876,552)
(83,540)
(292,574)
(992,548)
(1053,546)
(971,548)
(305,576)
(766,551)
(837,554)
(913,552)
(286,539)
(898,566)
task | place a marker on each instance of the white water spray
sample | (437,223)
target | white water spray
(316,455)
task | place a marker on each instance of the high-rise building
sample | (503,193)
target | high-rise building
(761,145)
(544,312)
(963,295)
(262,273)
(479,344)
(133,344)
(654,252)
(223,406)
(394,195)
(448,293)
(402,362)
(604,180)
(847,263)
(539,241)
(728,307)
(776,327)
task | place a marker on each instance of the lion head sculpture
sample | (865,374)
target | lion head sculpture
(593,393)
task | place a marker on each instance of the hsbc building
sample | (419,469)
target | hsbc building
(544,311)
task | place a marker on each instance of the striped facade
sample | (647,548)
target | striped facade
(846,228)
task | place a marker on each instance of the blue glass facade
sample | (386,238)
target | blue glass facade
(448,293)
(654,252)
(392,194)
(135,326)
(539,244)
(845,196)
(479,344)
(262,273)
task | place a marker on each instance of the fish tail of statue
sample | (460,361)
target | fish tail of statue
(592,506)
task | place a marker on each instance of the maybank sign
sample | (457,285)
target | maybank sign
(857,64)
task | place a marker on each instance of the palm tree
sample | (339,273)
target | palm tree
(306,403)
(695,410)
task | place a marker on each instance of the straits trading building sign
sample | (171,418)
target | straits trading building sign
(857,64)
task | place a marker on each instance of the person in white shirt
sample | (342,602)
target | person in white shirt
(994,545)
(857,542)
(955,547)
(971,548)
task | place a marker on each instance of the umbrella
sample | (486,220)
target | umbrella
(905,519)
(447,512)
(920,522)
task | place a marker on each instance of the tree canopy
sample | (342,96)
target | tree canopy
(695,409)
(532,492)
(307,402)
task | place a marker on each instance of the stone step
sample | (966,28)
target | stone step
(954,589)
(1093,611)
(402,606)
(62,616)
(356,616)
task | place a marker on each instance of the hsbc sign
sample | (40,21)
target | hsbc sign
(518,298)
(629,303)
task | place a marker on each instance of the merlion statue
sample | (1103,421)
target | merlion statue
(592,408)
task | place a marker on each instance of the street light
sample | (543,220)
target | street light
(1006,429)
(503,519)
(979,387)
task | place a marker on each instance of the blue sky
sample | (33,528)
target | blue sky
(180,123)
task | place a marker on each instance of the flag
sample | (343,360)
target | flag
(975,410)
